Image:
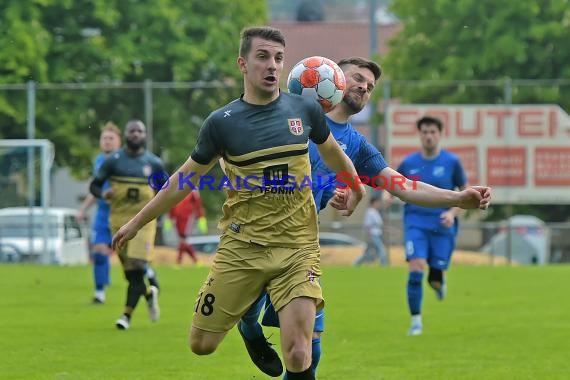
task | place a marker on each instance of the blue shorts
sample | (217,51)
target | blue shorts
(101,235)
(433,246)
(271,319)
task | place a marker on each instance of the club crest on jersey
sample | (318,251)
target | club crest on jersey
(438,171)
(295,126)
(147,170)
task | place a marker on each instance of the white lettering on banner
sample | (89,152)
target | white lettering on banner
(520,150)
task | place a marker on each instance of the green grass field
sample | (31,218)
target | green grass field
(497,323)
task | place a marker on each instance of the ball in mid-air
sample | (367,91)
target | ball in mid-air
(318,77)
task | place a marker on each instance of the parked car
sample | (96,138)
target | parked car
(22,231)
(209,243)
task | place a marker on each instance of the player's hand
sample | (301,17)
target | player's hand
(107,194)
(81,216)
(125,233)
(346,199)
(447,219)
(475,197)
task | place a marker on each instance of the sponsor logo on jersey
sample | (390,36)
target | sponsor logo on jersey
(235,227)
(438,171)
(147,170)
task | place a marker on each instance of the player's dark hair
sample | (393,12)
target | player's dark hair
(263,32)
(428,120)
(362,63)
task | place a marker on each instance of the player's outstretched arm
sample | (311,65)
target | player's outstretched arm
(422,194)
(164,200)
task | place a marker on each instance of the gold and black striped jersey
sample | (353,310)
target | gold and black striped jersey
(265,151)
(128,177)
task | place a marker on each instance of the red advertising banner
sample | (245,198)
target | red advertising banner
(552,166)
(506,166)
(519,150)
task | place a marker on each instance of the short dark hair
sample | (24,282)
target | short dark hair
(264,32)
(363,63)
(429,120)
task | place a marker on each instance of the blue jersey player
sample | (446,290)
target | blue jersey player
(361,77)
(429,233)
(109,141)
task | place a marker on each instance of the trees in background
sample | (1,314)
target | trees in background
(116,41)
(119,42)
(462,40)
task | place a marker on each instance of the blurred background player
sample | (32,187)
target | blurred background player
(373,233)
(109,141)
(429,233)
(129,173)
(186,214)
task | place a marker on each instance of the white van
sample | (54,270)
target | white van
(22,231)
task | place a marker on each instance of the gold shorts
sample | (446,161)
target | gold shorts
(241,271)
(138,249)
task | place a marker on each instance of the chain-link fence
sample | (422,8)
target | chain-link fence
(510,133)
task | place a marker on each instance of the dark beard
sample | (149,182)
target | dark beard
(352,104)
(136,146)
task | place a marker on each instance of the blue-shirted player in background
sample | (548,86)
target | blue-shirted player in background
(109,141)
(361,77)
(429,233)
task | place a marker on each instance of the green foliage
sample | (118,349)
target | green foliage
(497,323)
(479,40)
(116,41)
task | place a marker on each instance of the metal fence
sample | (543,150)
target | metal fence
(32,101)
(28,98)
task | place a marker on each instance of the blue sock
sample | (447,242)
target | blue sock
(415,292)
(100,270)
(249,324)
(316,353)
(107,266)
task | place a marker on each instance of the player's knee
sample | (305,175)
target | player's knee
(416,265)
(296,356)
(200,346)
(435,276)
(317,334)
(201,343)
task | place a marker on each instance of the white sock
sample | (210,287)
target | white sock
(416,319)
(100,294)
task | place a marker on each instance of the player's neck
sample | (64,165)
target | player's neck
(259,98)
(430,153)
(338,115)
(135,152)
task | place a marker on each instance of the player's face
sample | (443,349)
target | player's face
(262,68)
(360,82)
(429,137)
(109,142)
(135,134)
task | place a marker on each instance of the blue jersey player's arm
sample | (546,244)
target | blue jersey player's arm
(101,176)
(459,180)
(369,162)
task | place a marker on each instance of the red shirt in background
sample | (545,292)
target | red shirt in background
(186,213)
